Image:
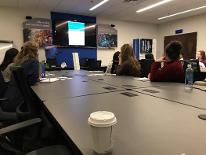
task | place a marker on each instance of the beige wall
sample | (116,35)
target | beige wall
(11,25)
(12,19)
(127,31)
(191,24)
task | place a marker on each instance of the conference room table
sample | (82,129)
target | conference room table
(178,93)
(147,124)
(72,87)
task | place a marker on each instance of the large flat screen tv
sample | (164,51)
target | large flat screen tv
(75,33)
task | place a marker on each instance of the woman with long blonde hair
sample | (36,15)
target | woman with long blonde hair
(27,58)
(128,65)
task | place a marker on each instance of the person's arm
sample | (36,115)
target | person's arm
(49,47)
(35,76)
(157,73)
(31,69)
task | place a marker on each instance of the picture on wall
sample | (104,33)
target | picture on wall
(146,46)
(107,36)
(40,37)
(37,30)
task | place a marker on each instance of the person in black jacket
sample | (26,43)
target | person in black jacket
(128,65)
(28,60)
(115,62)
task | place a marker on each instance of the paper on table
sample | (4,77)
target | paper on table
(200,87)
(64,78)
(96,75)
(95,71)
(49,74)
(142,79)
(48,79)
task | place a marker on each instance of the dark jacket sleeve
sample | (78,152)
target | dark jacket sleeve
(31,69)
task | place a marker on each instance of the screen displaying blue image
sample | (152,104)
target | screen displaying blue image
(76,33)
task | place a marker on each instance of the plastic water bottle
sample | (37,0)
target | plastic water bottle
(109,68)
(42,70)
(189,77)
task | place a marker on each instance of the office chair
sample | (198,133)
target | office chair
(94,65)
(5,117)
(145,67)
(27,114)
(52,63)
(3,85)
(7,148)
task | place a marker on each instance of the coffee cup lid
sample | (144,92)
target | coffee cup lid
(102,119)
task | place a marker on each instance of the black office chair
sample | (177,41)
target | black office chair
(52,63)
(6,147)
(94,65)
(145,67)
(28,114)
(5,117)
(198,76)
(3,85)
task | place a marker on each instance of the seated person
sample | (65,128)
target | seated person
(149,56)
(200,55)
(27,58)
(128,65)
(115,62)
(172,71)
(146,64)
(8,63)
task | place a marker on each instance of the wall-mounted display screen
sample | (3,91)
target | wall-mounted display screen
(75,33)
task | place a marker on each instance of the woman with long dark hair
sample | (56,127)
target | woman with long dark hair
(8,62)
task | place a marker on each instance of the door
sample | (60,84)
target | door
(189,42)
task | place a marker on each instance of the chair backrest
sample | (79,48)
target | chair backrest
(145,67)
(196,68)
(30,100)
(3,85)
(83,62)
(52,62)
(94,64)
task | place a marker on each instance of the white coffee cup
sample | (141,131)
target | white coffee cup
(101,123)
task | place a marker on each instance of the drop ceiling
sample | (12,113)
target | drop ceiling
(116,9)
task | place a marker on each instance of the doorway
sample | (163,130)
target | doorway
(189,42)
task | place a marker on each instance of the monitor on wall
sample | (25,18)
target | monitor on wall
(75,33)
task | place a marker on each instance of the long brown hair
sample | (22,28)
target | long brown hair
(127,54)
(28,51)
(202,53)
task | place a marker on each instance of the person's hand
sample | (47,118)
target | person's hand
(161,59)
(149,76)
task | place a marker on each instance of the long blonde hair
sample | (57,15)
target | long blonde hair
(28,51)
(127,54)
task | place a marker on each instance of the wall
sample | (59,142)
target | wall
(191,24)
(12,19)
(11,25)
(127,31)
